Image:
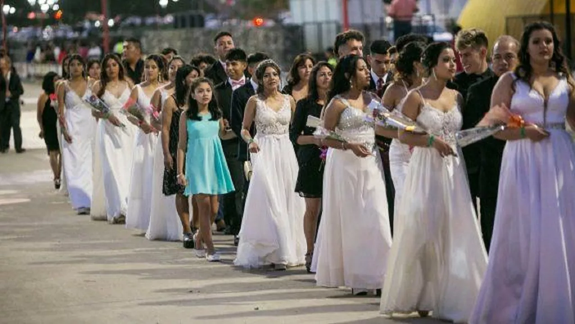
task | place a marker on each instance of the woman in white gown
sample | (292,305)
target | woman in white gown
(531,272)
(164,222)
(117,136)
(354,236)
(409,76)
(140,196)
(79,130)
(437,259)
(272,227)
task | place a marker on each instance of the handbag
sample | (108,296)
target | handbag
(248,169)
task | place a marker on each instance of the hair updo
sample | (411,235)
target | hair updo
(431,54)
(410,54)
(261,70)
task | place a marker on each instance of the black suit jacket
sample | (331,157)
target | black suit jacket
(224,96)
(240,98)
(490,149)
(16,90)
(216,73)
(3,86)
(463,81)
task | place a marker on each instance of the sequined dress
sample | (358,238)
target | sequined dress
(272,226)
(437,259)
(354,237)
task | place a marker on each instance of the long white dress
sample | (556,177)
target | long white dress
(98,207)
(164,223)
(437,259)
(399,156)
(117,148)
(531,272)
(354,237)
(78,155)
(272,226)
(140,196)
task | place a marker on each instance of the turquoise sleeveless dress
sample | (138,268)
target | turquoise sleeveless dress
(206,168)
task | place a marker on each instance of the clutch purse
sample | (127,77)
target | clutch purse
(248,170)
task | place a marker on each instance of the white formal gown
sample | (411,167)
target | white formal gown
(117,150)
(140,196)
(272,226)
(437,259)
(98,207)
(354,236)
(399,156)
(164,223)
(531,272)
(78,155)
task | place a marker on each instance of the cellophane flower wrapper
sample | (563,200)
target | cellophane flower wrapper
(324,134)
(495,120)
(383,117)
(132,108)
(98,105)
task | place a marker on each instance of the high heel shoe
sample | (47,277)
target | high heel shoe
(188,241)
(57,184)
(308,260)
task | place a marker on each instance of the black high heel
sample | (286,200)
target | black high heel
(308,261)
(57,184)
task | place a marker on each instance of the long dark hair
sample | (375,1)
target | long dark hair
(341,83)
(261,70)
(79,58)
(161,63)
(293,75)
(48,83)
(313,94)
(182,88)
(213,108)
(104,79)
(65,60)
(524,70)
(410,54)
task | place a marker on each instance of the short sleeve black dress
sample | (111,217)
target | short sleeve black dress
(49,120)
(170,183)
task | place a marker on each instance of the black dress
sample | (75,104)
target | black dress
(49,120)
(170,184)
(310,177)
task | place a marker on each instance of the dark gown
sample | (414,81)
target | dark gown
(49,120)
(310,177)
(170,184)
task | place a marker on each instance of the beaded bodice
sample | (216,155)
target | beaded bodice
(271,122)
(439,123)
(353,127)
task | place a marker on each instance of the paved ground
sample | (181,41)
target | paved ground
(56,267)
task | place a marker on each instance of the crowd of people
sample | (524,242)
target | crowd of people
(382,211)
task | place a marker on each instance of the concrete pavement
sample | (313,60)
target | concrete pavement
(57,267)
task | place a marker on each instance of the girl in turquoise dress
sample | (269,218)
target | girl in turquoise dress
(206,173)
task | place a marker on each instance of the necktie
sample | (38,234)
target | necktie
(379,87)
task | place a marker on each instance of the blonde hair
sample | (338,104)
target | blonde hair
(473,37)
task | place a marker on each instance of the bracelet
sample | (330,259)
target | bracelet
(430,140)
(522,132)
(181,175)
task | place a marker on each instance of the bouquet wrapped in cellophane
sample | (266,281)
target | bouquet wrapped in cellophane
(381,116)
(98,105)
(131,108)
(495,120)
(324,134)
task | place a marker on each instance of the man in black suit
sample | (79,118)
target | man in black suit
(478,103)
(472,46)
(217,71)
(232,203)
(379,62)
(133,62)
(11,89)
(240,98)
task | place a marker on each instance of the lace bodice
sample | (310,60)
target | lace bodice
(439,123)
(114,102)
(270,122)
(73,100)
(353,127)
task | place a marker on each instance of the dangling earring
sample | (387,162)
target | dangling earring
(433,73)
(350,83)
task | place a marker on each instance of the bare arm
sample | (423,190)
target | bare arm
(249,115)
(167,115)
(182,147)
(40,110)
(571,107)
(292,107)
(61,105)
